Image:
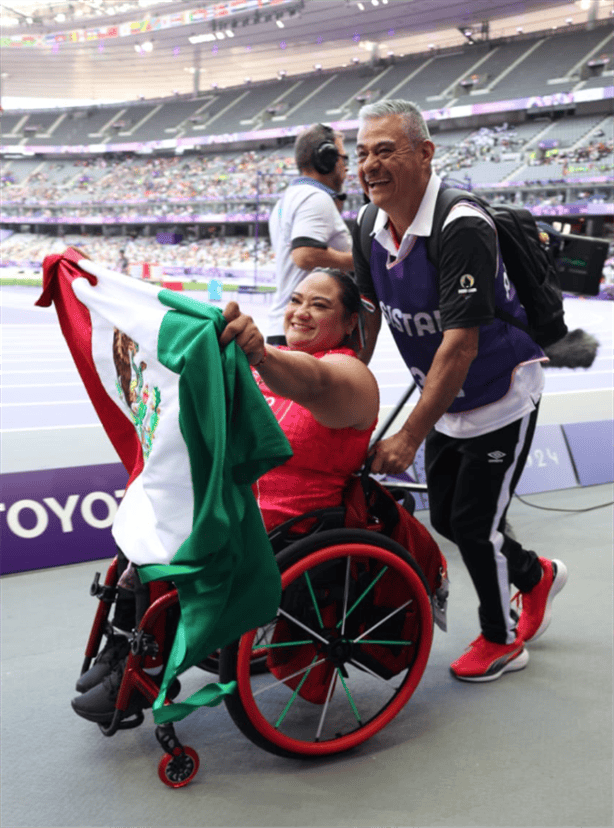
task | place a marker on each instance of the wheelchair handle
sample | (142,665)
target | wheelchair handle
(392,416)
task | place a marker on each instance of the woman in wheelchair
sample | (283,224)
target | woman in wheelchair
(326,402)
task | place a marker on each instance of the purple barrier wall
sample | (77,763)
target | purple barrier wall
(591,445)
(64,516)
(58,516)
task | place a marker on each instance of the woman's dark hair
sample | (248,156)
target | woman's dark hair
(350,295)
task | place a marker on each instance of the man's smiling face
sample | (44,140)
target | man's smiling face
(392,171)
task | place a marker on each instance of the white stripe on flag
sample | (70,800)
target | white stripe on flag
(155,515)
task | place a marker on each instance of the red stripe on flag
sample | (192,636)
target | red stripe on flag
(59,271)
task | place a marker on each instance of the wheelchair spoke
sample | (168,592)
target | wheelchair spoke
(371,673)
(381,641)
(300,624)
(294,695)
(285,644)
(382,572)
(313,598)
(285,678)
(260,641)
(329,693)
(350,699)
(390,614)
(346,591)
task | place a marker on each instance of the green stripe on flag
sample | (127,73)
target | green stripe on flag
(225,571)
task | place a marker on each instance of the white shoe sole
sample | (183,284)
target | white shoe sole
(518,663)
(560,579)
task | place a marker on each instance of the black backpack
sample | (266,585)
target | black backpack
(528,261)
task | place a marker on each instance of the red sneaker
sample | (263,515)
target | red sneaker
(485,660)
(537,604)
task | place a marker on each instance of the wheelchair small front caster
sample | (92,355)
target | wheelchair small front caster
(180,764)
(177,771)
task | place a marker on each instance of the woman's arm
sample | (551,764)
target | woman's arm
(339,390)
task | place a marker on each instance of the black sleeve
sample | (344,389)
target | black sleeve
(362,268)
(468,263)
(304,241)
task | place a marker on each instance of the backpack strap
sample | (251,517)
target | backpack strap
(367,222)
(446,199)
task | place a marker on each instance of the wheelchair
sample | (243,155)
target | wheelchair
(339,661)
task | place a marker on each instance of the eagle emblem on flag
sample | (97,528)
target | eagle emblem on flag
(143,404)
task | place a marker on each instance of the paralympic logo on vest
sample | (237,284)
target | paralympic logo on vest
(417,324)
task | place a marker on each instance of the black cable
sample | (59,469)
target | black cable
(552,509)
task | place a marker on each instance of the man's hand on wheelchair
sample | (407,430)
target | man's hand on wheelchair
(243,329)
(393,455)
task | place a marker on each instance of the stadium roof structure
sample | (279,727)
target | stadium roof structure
(106,51)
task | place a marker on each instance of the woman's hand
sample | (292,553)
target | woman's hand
(243,329)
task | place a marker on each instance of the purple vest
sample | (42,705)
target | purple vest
(408,296)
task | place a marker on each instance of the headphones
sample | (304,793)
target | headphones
(325,155)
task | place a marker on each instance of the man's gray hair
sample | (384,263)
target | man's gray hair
(413,121)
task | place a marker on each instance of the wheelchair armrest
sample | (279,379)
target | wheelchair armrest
(332,517)
(406,485)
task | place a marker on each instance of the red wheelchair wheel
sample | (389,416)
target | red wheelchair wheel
(178,770)
(345,653)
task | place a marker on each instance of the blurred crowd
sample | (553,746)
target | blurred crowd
(233,187)
(190,186)
(485,144)
(161,178)
(227,254)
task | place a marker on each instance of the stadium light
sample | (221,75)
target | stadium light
(203,38)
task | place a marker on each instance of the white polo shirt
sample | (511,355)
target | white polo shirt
(305,216)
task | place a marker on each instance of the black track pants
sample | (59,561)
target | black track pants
(470,484)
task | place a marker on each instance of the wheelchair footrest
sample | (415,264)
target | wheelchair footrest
(117,723)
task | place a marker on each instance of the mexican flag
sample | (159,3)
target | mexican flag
(194,432)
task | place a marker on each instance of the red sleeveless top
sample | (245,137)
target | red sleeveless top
(322,464)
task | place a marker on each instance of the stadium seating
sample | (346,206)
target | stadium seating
(548,157)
